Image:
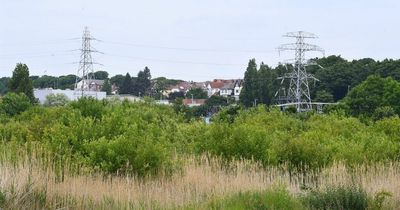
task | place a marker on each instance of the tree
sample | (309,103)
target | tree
(249,91)
(373,93)
(175,95)
(324,96)
(4,85)
(101,75)
(216,101)
(106,87)
(14,103)
(117,80)
(143,82)
(198,93)
(20,82)
(58,99)
(127,86)
(265,84)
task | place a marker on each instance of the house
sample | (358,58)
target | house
(237,88)
(226,88)
(193,102)
(180,87)
(92,85)
(214,87)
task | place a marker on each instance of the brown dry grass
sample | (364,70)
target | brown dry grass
(201,179)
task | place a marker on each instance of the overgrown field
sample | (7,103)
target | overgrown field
(101,154)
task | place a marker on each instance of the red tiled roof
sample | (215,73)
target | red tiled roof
(188,101)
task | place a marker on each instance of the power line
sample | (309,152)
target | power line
(186,49)
(173,61)
(45,42)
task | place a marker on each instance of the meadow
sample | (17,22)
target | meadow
(110,154)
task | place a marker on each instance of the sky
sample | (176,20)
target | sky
(194,40)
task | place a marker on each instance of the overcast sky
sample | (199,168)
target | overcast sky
(189,39)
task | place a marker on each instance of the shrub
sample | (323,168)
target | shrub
(58,99)
(337,198)
(276,198)
(89,107)
(14,103)
(129,154)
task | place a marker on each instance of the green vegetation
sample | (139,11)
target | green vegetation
(58,99)
(197,93)
(143,138)
(20,82)
(146,141)
(276,198)
(338,198)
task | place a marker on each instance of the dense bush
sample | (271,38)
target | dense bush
(273,137)
(144,138)
(275,198)
(14,103)
(337,198)
(58,99)
(128,137)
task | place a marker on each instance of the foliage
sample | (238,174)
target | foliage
(14,103)
(141,137)
(276,198)
(117,80)
(58,99)
(101,75)
(324,96)
(127,85)
(373,93)
(61,82)
(350,197)
(89,107)
(106,87)
(197,93)
(4,85)
(142,85)
(249,92)
(21,83)
(311,142)
(176,95)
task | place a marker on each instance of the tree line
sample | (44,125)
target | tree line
(337,78)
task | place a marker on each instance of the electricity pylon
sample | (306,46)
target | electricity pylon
(298,91)
(85,72)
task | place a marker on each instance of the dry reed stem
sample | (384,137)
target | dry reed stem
(201,179)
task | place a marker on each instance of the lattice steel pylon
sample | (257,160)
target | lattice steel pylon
(298,90)
(85,71)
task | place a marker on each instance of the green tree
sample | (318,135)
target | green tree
(4,85)
(216,101)
(198,93)
(101,75)
(324,96)
(127,86)
(117,80)
(143,83)
(20,82)
(14,103)
(250,88)
(58,99)
(106,87)
(373,93)
(265,84)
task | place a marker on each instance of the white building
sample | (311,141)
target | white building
(93,84)
(72,95)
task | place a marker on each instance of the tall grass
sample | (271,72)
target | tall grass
(27,183)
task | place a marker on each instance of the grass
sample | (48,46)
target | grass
(28,182)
